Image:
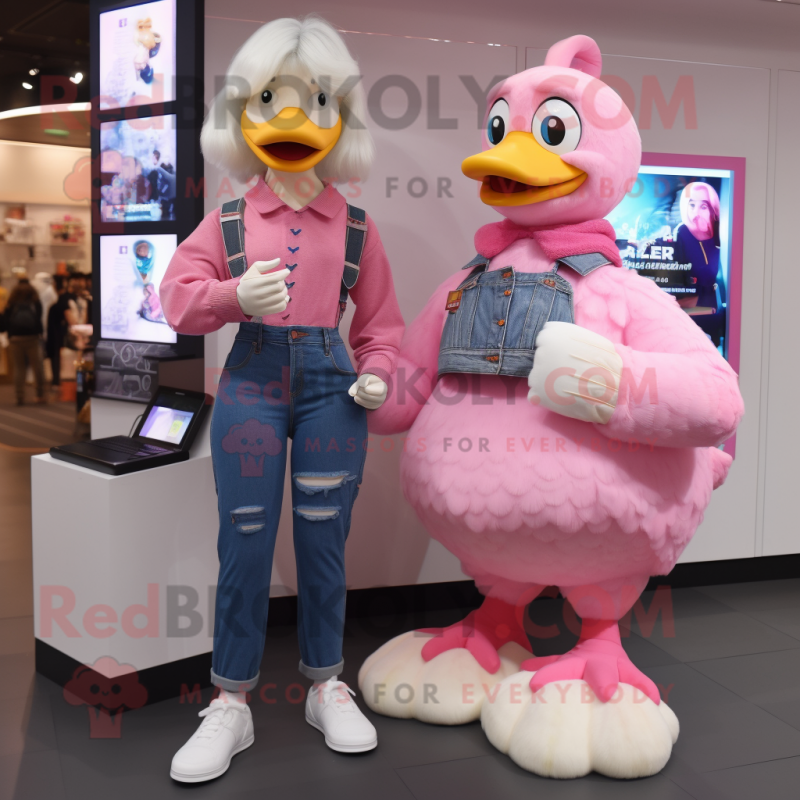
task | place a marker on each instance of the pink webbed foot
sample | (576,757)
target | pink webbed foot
(599,659)
(482,632)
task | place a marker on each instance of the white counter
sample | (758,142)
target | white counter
(114,557)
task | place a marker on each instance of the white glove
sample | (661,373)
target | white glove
(576,373)
(369,391)
(260,295)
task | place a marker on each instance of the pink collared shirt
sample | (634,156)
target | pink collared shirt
(199,296)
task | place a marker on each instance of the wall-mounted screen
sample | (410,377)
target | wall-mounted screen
(675,228)
(131,269)
(137,170)
(137,55)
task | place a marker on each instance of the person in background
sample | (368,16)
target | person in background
(77,310)
(56,329)
(22,321)
(43,283)
(86,297)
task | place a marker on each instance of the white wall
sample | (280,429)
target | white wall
(780,377)
(35,175)
(43,173)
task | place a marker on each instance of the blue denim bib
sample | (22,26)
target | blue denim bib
(494,317)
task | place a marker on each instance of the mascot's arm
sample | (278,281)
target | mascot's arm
(417,366)
(197,293)
(676,389)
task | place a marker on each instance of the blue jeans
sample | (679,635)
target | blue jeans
(281,383)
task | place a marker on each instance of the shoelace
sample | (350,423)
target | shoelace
(214,717)
(341,701)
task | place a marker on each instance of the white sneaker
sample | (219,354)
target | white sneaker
(330,709)
(226,730)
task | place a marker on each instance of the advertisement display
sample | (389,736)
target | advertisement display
(137,170)
(137,54)
(675,228)
(131,269)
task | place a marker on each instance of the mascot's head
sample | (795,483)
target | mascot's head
(559,145)
(293,101)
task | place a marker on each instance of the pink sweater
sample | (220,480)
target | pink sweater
(199,296)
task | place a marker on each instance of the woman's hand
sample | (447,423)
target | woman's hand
(260,294)
(369,391)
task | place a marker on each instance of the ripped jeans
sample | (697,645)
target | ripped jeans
(281,383)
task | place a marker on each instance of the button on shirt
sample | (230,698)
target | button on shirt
(199,296)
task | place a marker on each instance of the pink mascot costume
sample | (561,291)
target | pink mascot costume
(588,467)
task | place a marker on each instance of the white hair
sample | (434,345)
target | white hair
(316,45)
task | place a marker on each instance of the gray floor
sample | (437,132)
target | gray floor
(732,672)
(35,428)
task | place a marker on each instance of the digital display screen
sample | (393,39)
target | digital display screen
(131,270)
(674,227)
(137,55)
(137,170)
(166,424)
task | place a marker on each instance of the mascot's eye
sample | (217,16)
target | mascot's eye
(94,689)
(116,688)
(244,441)
(497,130)
(556,126)
(323,109)
(498,124)
(553,130)
(266,96)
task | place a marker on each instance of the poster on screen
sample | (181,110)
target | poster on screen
(137,55)
(131,270)
(675,228)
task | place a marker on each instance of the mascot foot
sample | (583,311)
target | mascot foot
(565,731)
(599,659)
(398,681)
(483,632)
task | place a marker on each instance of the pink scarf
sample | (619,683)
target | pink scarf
(557,241)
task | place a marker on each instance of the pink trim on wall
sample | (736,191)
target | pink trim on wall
(737,167)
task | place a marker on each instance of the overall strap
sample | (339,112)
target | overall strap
(476,267)
(354,239)
(583,264)
(231,220)
(232,223)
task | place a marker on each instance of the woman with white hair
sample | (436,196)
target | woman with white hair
(282,262)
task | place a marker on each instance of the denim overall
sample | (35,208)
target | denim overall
(283,383)
(494,317)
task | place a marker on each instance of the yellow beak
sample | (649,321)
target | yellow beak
(290,141)
(519,171)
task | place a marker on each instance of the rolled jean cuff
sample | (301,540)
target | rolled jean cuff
(321,673)
(235,686)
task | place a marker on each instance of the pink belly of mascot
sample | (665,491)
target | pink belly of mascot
(539,499)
